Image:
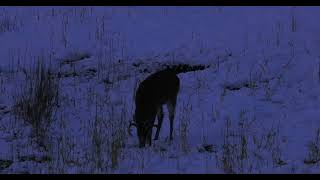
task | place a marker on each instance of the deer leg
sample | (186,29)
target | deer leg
(149,136)
(171,108)
(160,119)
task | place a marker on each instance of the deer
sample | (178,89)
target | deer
(158,89)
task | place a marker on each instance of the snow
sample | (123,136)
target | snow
(257,104)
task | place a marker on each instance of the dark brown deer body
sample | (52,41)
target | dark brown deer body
(160,88)
(155,91)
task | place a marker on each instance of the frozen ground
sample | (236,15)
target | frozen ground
(255,110)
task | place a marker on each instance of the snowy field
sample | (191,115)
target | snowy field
(68,76)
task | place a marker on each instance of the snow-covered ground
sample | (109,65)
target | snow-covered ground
(254,110)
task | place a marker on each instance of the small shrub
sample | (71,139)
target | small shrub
(37,101)
(314,150)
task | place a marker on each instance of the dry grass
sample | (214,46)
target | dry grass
(184,127)
(314,150)
(37,100)
(243,151)
(107,136)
